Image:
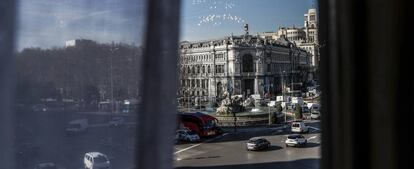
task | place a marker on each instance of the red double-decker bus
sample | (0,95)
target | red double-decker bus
(202,124)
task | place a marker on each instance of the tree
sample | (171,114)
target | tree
(298,112)
(279,107)
(78,72)
(273,118)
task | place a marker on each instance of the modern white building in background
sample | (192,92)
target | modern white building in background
(240,65)
(305,37)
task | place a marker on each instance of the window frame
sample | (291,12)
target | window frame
(338,149)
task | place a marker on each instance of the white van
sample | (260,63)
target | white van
(315,115)
(77,126)
(313,107)
(299,127)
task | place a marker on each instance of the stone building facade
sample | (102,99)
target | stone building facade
(305,37)
(239,65)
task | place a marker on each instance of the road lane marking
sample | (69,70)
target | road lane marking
(315,128)
(107,124)
(185,149)
(310,138)
(279,129)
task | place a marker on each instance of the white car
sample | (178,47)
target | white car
(295,140)
(187,135)
(299,127)
(46,166)
(39,108)
(117,121)
(315,115)
(96,160)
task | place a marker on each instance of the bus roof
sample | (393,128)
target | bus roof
(203,116)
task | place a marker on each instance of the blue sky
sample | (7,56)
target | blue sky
(261,15)
(49,23)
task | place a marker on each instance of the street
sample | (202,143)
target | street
(229,151)
(47,131)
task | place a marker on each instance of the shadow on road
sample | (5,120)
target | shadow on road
(273,148)
(311,163)
(310,145)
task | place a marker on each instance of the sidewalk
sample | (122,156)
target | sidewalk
(102,113)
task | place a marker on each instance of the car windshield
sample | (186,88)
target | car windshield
(254,140)
(296,125)
(191,133)
(210,124)
(47,167)
(293,137)
(100,159)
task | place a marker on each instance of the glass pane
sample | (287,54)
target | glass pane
(262,62)
(78,77)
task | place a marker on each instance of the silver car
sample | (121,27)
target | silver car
(257,143)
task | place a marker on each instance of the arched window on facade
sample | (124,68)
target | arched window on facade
(193,70)
(198,69)
(203,69)
(208,69)
(247,63)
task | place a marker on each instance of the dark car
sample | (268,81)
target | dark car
(39,108)
(257,143)
(27,150)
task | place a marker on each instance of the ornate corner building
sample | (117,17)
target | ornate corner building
(305,37)
(239,65)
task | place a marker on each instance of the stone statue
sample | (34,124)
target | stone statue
(230,105)
(249,102)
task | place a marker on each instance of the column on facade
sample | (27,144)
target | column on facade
(256,85)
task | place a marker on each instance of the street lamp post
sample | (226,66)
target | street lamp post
(111,77)
(283,93)
(270,117)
